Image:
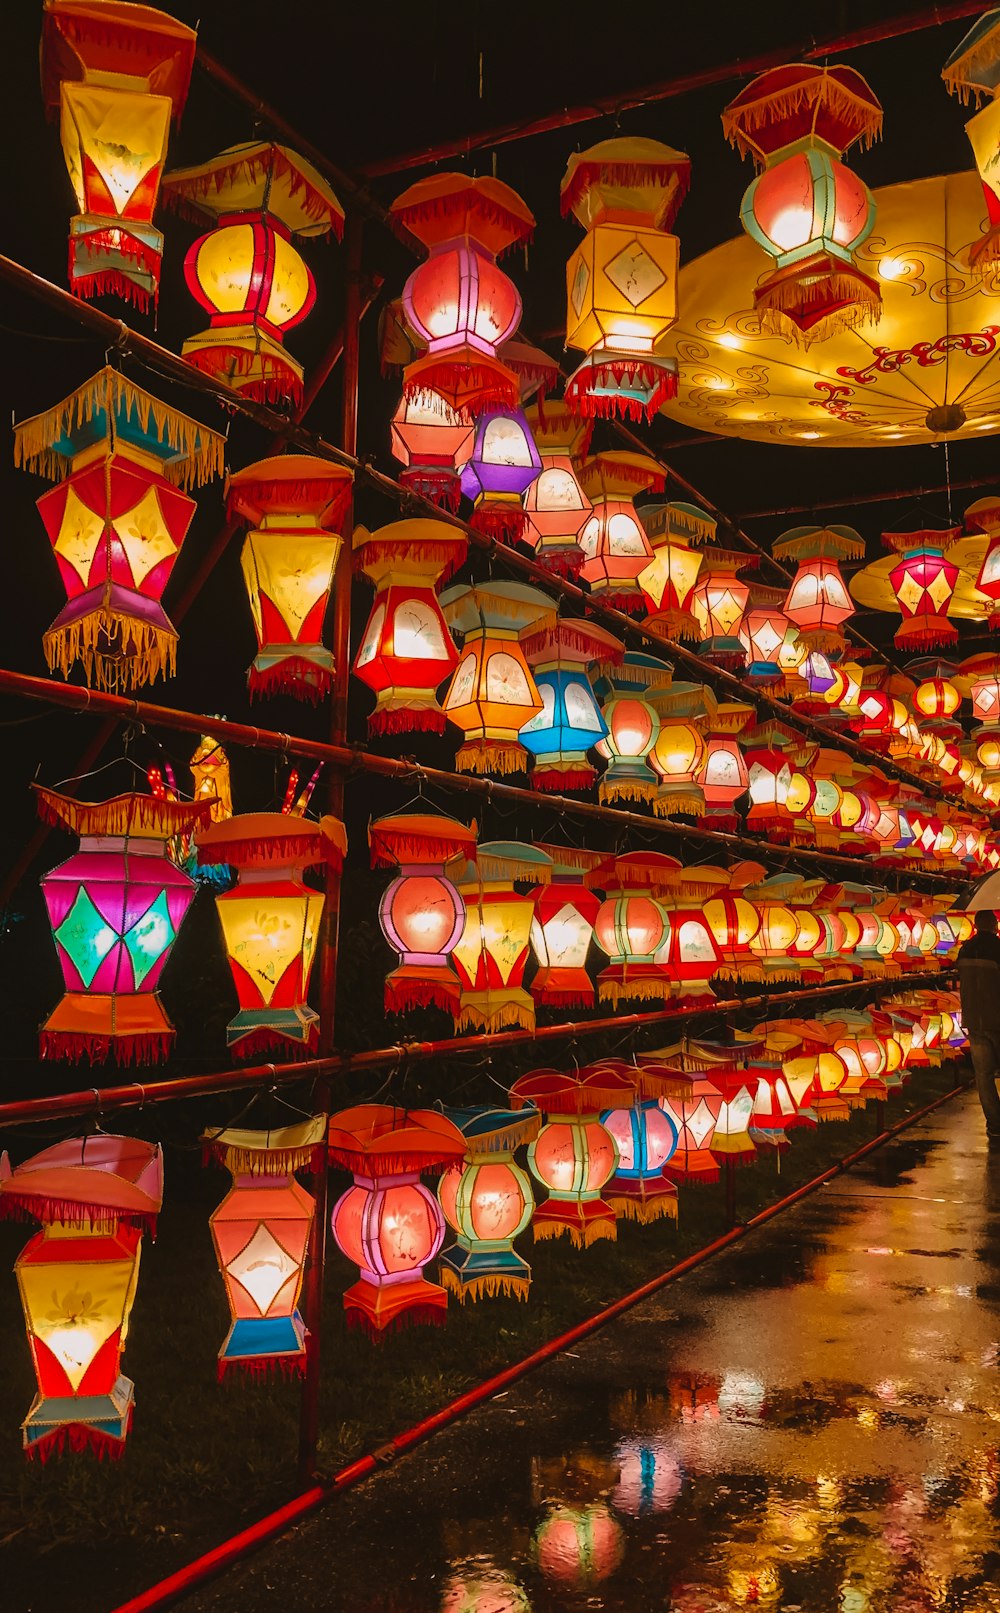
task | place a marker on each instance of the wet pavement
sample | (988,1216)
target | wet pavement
(810,1423)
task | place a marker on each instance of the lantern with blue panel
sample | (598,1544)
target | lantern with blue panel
(646,1138)
(503,465)
(488,1202)
(570,722)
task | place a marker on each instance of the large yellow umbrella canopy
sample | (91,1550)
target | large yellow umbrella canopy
(929,369)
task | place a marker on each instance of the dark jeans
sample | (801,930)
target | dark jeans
(985,1051)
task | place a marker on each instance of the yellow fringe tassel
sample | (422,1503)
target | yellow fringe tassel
(960,75)
(592,1233)
(121,815)
(645,1211)
(142,652)
(481,756)
(688,521)
(626,790)
(507,867)
(472,1017)
(201,452)
(488,1286)
(616,992)
(668,806)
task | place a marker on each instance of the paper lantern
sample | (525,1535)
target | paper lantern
(430,439)
(615,547)
(492,951)
(570,722)
(116,74)
(210,772)
(807,210)
(734,922)
(984,516)
(502,466)
(775,939)
(731,1139)
(765,627)
(621,282)
(632,724)
(573,1155)
(774,1109)
(646,1139)
(406,650)
(695,1118)
(492,693)
(920,586)
(77,1277)
(817,601)
(971,73)
(769,777)
(676,758)
(388,1223)
(260,1232)
(723,777)
(488,1202)
(270,922)
(674,530)
(719,602)
(555,505)
(459,302)
(421,913)
(247,273)
(690,954)
(116,522)
(562,929)
(632,928)
(115,908)
(292,505)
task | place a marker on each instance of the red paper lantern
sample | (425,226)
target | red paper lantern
(421,913)
(573,1155)
(923,583)
(719,602)
(695,1116)
(817,601)
(615,546)
(562,929)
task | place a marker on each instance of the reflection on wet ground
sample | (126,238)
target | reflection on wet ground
(810,1423)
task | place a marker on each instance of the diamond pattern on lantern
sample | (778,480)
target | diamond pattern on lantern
(80,532)
(147,940)
(635,274)
(581,281)
(263,1267)
(144,536)
(940,590)
(700,1124)
(85,937)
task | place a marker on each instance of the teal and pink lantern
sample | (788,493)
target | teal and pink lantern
(502,466)
(562,928)
(555,505)
(261,1235)
(488,1202)
(421,912)
(388,1223)
(570,721)
(807,210)
(614,543)
(115,908)
(94,1197)
(270,922)
(573,1156)
(646,1138)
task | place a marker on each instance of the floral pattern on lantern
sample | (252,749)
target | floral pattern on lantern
(116,520)
(488,1202)
(270,922)
(292,505)
(621,282)
(807,210)
(406,650)
(388,1223)
(493,949)
(421,912)
(614,543)
(556,507)
(492,693)
(573,1155)
(260,1233)
(115,908)
(77,1277)
(570,722)
(116,74)
(247,273)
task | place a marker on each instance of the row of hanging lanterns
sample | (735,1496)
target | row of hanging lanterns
(612,1139)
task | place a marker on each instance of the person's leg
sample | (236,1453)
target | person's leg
(986,1066)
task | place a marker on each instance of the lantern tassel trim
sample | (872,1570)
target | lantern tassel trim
(506,523)
(392,847)
(77,1438)
(857,304)
(489,1286)
(116,650)
(401,996)
(100,1219)
(562,779)
(521,226)
(610,790)
(279,379)
(261,1368)
(269,162)
(112,283)
(663,1206)
(617,992)
(582,1237)
(864,117)
(294,675)
(486,756)
(408,720)
(675,177)
(122,814)
(472,1016)
(593,390)
(149,1047)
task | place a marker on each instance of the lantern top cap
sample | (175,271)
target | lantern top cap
(88,1180)
(418,539)
(302,484)
(575,641)
(267,1153)
(790,103)
(536,372)
(110,41)
(419,837)
(819,543)
(446,206)
(513,859)
(922,538)
(571,859)
(983,515)
(588,1090)
(258,176)
(147,817)
(112,409)
(495,1131)
(651,872)
(378,1139)
(973,68)
(674,519)
(630,178)
(272,840)
(484,605)
(657,1077)
(619,471)
(637,673)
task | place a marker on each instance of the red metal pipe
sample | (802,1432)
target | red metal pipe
(665,90)
(176,1585)
(136,1094)
(854,499)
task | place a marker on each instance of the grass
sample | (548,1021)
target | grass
(204,1459)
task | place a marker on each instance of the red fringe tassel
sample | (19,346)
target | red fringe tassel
(402,995)
(554,998)
(416,1316)
(261,1368)
(266,1040)
(606,405)
(506,523)
(424,720)
(76,1438)
(550,778)
(442,487)
(230,364)
(147,1048)
(301,679)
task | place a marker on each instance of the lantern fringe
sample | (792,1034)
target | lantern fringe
(582,1237)
(628,176)
(647,475)
(652,1084)
(628,789)
(520,225)
(442,487)
(561,562)
(78,1438)
(112,283)
(820,91)
(488,1018)
(149,1047)
(669,806)
(960,75)
(293,675)
(127,246)
(321,495)
(523,1129)
(984,254)
(380,1160)
(506,523)
(504,864)
(200,451)
(908,542)
(778,303)
(264,1161)
(701,1177)
(408,720)
(403,995)
(633,1207)
(560,636)
(266,1040)
(617,992)
(268,162)
(556,997)
(279,381)
(122,814)
(141,654)
(120,34)
(726,661)
(908,637)
(473,388)
(488,1286)
(690,522)
(323,842)
(827,640)
(738,1148)
(634,675)
(261,1368)
(393,846)
(749,971)
(414,1316)
(447,552)
(102,1219)
(575,856)
(582,397)
(723,822)
(562,779)
(491,756)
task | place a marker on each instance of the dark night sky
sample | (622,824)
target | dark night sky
(365,81)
